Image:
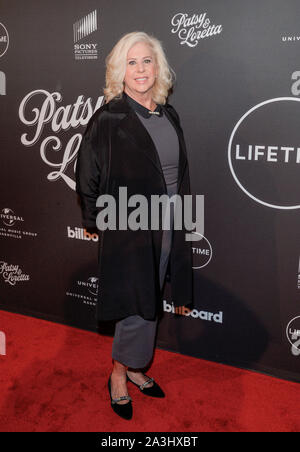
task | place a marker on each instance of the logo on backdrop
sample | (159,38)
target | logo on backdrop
(86,291)
(12,223)
(39,110)
(264,153)
(81,30)
(2,84)
(293,335)
(12,274)
(4,40)
(195,314)
(91,285)
(296,84)
(202,254)
(9,218)
(290,39)
(192,29)
(82,234)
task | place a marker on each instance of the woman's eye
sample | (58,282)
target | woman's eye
(147,61)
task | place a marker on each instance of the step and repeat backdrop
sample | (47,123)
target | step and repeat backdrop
(238,96)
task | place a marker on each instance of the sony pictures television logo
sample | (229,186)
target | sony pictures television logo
(82,29)
(4,40)
(264,153)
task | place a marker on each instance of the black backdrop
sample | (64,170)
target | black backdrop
(238,96)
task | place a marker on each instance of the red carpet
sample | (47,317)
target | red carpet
(54,378)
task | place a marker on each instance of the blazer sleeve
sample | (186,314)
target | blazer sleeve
(87,173)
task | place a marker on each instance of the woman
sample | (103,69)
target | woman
(135,141)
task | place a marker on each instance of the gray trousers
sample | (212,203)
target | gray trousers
(134,338)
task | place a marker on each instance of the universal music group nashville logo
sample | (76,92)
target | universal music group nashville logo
(11,225)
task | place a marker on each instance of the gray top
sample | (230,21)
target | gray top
(166,142)
(165,139)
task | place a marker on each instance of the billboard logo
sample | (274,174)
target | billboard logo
(81,29)
(82,234)
(4,40)
(2,343)
(195,314)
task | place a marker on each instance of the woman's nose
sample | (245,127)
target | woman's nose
(141,67)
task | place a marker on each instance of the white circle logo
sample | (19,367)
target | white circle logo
(4,40)
(202,253)
(264,153)
(293,331)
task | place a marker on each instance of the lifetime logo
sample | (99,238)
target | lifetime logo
(203,315)
(82,234)
(2,343)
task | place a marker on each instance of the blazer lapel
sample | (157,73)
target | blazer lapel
(138,134)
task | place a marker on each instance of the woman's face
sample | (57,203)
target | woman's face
(141,70)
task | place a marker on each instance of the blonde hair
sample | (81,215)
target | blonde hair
(116,63)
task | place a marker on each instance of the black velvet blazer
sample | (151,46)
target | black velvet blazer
(117,151)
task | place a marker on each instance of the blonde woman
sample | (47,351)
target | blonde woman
(135,141)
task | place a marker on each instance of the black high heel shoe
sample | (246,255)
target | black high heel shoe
(124,410)
(153,391)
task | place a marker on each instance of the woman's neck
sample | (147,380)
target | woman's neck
(143,99)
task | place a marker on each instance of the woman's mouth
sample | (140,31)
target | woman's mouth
(141,79)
